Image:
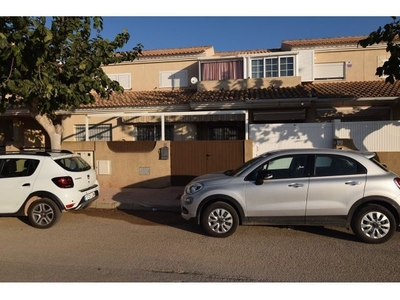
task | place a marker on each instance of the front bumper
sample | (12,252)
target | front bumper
(188,211)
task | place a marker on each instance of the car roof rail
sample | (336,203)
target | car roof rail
(36,151)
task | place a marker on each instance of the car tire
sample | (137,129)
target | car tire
(219,220)
(43,213)
(374,224)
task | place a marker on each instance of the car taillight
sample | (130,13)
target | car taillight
(63,182)
(397,181)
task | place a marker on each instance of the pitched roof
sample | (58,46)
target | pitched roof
(328,90)
(174,51)
(242,52)
(332,41)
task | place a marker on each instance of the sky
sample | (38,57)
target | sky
(225,25)
(234,33)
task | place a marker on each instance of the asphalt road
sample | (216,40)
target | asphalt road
(97,245)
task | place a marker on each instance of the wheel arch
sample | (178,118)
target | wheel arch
(223,198)
(39,195)
(389,204)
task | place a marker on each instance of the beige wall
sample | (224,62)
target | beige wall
(145,75)
(131,164)
(250,83)
(360,64)
(130,161)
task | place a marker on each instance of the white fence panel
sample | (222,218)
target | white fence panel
(376,136)
(268,137)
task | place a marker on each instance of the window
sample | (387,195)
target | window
(329,71)
(292,166)
(257,68)
(222,70)
(123,79)
(223,133)
(17,167)
(73,164)
(272,67)
(96,133)
(173,79)
(334,165)
(153,132)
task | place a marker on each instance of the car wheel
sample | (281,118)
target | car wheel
(374,224)
(219,220)
(43,213)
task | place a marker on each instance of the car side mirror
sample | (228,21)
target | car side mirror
(261,176)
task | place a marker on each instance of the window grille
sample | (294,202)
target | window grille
(96,132)
(153,132)
(223,133)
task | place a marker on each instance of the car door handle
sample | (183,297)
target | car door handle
(352,182)
(296,185)
(26,184)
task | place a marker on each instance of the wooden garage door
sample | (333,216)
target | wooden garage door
(193,158)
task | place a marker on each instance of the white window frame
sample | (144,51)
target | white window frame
(124,79)
(173,79)
(264,59)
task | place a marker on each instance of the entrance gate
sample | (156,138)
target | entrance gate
(190,159)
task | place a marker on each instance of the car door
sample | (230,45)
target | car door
(337,183)
(282,191)
(17,176)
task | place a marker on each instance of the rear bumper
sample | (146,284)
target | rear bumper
(85,202)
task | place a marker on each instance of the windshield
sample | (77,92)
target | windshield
(246,165)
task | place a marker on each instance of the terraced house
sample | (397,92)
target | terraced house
(306,93)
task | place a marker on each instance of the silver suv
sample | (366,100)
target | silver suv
(42,184)
(324,187)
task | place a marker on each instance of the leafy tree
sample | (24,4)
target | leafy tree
(49,68)
(389,34)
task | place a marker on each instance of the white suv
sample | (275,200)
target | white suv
(42,184)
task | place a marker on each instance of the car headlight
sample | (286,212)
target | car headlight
(194,188)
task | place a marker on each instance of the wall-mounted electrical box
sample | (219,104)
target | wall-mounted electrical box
(104,167)
(163,153)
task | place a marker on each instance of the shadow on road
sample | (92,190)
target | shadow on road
(174,219)
(337,233)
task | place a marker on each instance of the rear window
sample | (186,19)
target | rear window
(73,164)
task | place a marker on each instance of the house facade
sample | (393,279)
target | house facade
(302,81)
(199,95)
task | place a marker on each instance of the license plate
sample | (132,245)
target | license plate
(90,196)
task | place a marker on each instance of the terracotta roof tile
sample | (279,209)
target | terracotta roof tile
(332,90)
(242,52)
(174,51)
(324,41)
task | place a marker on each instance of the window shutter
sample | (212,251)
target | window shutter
(123,79)
(329,71)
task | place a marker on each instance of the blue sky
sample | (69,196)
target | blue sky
(234,33)
(226,25)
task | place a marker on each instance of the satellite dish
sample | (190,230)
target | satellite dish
(194,80)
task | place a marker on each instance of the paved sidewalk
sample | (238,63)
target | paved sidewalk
(163,199)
